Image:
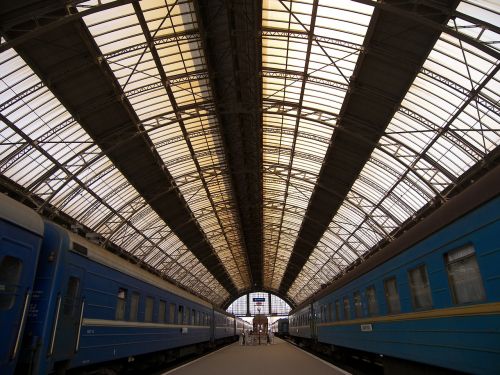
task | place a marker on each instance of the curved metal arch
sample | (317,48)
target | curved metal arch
(285,233)
(188,35)
(269,170)
(435,126)
(84,167)
(81,184)
(377,146)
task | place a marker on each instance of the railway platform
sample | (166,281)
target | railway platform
(278,358)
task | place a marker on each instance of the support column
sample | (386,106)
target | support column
(269,299)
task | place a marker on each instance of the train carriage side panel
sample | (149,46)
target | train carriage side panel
(137,328)
(73,317)
(460,336)
(37,353)
(224,326)
(21,231)
(302,320)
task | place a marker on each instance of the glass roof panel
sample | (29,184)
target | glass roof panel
(447,122)
(441,129)
(48,153)
(304,83)
(188,141)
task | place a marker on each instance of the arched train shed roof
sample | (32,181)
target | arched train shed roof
(233,146)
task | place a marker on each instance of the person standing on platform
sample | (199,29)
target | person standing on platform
(243,337)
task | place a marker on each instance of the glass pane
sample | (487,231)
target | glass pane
(120,304)
(148,315)
(464,276)
(10,273)
(347,308)
(134,306)
(371,299)
(180,314)
(392,296)
(358,307)
(71,298)
(420,288)
(162,308)
(171,318)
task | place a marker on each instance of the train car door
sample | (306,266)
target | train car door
(313,322)
(70,311)
(17,268)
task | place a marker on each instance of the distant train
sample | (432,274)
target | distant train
(280,327)
(428,302)
(66,303)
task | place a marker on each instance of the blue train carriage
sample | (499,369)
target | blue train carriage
(224,326)
(240,325)
(436,303)
(301,324)
(280,327)
(21,232)
(90,306)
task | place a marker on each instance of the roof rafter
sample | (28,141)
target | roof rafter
(232,50)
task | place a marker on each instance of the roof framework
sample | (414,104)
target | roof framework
(239,146)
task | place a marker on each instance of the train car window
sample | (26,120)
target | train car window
(10,273)
(171,318)
(193,317)
(464,276)
(371,299)
(71,297)
(330,312)
(392,296)
(337,310)
(148,315)
(134,306)
(358,307)
(187,317)
(162,310)
(347,308)
(420,288)
(120,304)
(180,314)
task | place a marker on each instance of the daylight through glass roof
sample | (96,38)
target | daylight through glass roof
(154,56)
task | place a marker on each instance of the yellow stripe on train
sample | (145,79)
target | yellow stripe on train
(481,309)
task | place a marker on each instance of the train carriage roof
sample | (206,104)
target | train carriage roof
(20,215)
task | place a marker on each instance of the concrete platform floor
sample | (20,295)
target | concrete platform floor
(280,358)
